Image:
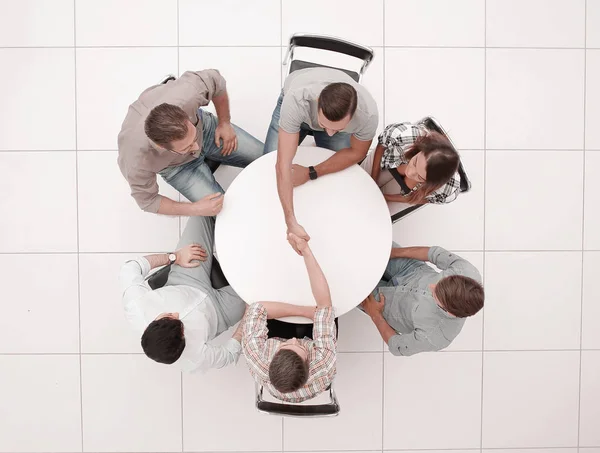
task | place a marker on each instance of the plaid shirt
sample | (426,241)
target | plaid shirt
(259,351)
(397,138)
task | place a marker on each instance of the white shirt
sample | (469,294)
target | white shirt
(196,312)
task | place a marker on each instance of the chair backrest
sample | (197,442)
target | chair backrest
(330,409)
(328,43)
(287,330)
(401,210)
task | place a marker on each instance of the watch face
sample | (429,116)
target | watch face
(172,257)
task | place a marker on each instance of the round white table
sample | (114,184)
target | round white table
(344,213)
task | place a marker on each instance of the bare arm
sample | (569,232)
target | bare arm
(207,206)
(385,330)
(287,147)
(376,170)
(318,282)
(417,253)
(345,157)
(282,310)
(221,103)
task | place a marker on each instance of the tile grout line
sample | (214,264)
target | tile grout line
(461,351)
(179,195)
(383,346)
(484,212)
(125,252)
(105,150)
(582,229)
(281,56)
(179,235)
(271,46)
(77,225)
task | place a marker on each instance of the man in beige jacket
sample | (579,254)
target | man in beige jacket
(166,132)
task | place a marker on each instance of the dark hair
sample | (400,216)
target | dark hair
(165,124)
(461,296)
(287,371)
(338,100)
(163,340)
(442,163)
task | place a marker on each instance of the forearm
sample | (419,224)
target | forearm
(287,147)
(376,170)
(417,253)
(282,310)
(385,330)
(171,207)
(221,104)
(158,260)
(340,161)
(318,282)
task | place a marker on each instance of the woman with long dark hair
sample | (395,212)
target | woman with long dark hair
(414,165)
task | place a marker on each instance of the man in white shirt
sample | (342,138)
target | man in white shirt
(177,322)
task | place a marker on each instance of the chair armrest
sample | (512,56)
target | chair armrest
(159,278)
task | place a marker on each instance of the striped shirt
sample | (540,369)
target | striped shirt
(259,351)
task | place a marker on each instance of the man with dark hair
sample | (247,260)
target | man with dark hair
(177,322)
(420,309)
(297,369)
(341,115)
(166,132)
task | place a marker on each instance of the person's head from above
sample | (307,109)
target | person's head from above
(163,340)
(288,370)
(458,295)
(169,127)
(337,104)
(432,161)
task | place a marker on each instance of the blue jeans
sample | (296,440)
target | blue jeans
(340,140)
(194,180)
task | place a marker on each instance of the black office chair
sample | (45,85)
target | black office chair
(212,164)
(401,210)
(328,43)
(279,329)
(282,329)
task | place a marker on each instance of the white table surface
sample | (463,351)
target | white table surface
(344,213)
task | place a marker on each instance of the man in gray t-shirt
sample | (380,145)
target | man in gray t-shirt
(420,309)
(341,115)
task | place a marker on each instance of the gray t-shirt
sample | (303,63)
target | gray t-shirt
(301,92)
(411,310)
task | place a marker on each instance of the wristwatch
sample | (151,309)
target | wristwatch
(312,173)
(172,258)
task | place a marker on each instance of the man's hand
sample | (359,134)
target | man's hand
(299,175)
(210,205)
(299,244)
(372,307)
(226,133)
(298,231)
(190,255)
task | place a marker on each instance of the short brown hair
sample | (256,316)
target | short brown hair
(165,124)
(288,371)
(461,296)
(338,100)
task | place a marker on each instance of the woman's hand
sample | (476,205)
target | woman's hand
(190,255)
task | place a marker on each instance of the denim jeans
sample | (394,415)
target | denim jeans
(194,180)
(340,140)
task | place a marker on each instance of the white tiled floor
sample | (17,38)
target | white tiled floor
(522,377)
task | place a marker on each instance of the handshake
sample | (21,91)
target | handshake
(298,238)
